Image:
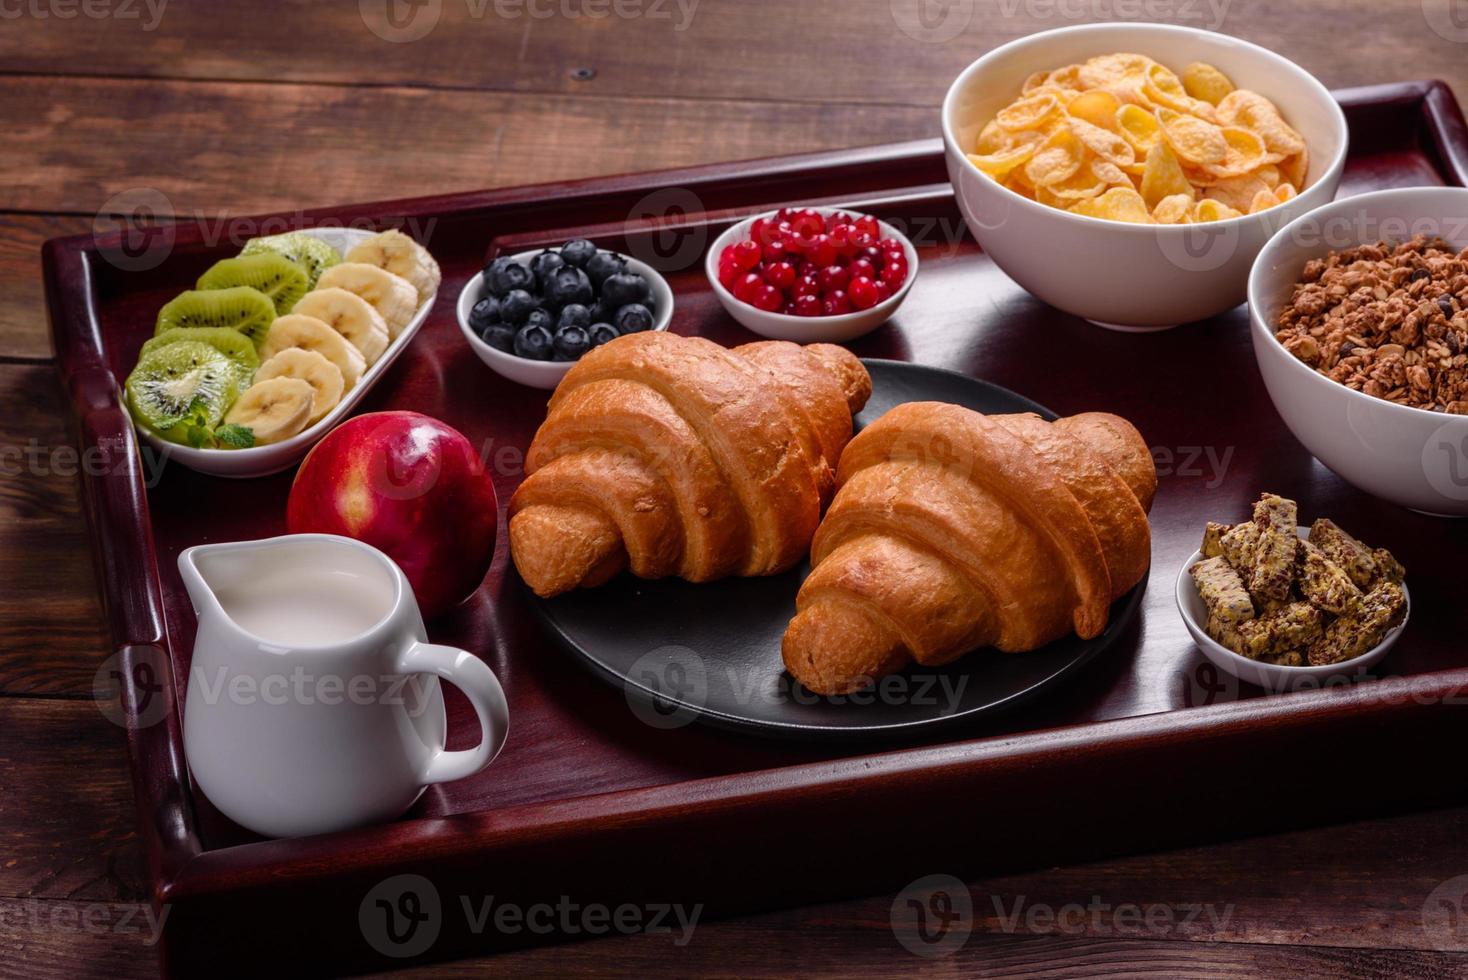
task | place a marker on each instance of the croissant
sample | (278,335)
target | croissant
(953,530)
(671,455)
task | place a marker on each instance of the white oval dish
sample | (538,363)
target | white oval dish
(1124,276)
(547,374)
(1409,456)
(264,460)
(807,329)
(1272,677)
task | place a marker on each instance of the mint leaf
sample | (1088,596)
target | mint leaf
(232,436)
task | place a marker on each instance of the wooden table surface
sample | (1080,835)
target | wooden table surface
(228,110)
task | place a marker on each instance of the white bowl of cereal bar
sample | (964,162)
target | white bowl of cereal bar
(1283,606)
(1129,173)
(1360,327)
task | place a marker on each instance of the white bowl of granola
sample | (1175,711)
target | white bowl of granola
(1369,368)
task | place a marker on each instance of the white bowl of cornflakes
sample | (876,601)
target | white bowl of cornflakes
(1110,261)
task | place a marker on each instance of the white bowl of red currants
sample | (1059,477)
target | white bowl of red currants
(531,315)
(812,275)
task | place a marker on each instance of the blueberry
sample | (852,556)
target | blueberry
(602,312)
(571,342)
(516,306)
(505,274)
(500,336)
(633,318)
(577,252)
(541,318)
(574,315)
(624,288)
(484,313)
(603,264)
(534,343)
(543,265)
(603,332)
(568,285)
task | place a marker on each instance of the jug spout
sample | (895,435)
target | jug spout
(198,566)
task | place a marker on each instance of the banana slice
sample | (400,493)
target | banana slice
(392,296)
(274,410)
(324,377)
(400,255)
(309,333)
(349,315)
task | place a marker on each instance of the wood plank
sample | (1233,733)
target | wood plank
(854,51)
(52,640)
(66,813)
(51,940)
(23,330)
(77,142)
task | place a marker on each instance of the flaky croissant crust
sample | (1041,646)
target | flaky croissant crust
(671,455)
(954,530)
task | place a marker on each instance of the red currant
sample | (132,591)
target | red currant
(806,285)
(728,273)
(780,274)
(834,277)
(890,245)
(862,267)
(774,251)
(895,274)
(868,225)
(747,254)
(807,305)
(835,303)
(863,293)
(822,250)
(745,286)
(768,298)
(809,223)
(884,291)
(888,258)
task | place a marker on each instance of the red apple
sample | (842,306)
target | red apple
(411,486)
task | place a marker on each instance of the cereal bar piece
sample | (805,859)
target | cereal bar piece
(1388,569)
(1351,555)
(1223,592)
(1362,628)
(1213,539)
(1225,633)
(1295,626)
(1273,569)
(1290,658)
(1239,545)
(1324,582)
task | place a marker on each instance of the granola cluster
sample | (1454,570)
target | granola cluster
(1388,320)
(1276,598)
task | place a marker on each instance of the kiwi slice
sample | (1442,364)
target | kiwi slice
(231,343)
(306,251)
(182,390)
(274,275)
(241,308)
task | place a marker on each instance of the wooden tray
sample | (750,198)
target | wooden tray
(1145,748)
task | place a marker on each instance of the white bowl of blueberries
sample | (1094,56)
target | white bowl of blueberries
(530,316)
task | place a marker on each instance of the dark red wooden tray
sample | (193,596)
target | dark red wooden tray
(1146,748)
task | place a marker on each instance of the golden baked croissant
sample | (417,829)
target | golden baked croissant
(953,530)
(672,455)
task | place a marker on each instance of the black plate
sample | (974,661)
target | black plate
(684,652)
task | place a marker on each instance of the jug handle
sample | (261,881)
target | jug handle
(472,676)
